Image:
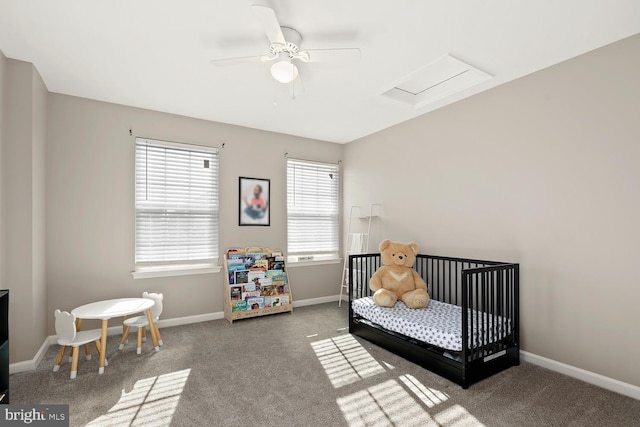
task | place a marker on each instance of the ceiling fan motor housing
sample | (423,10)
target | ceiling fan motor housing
(292,43)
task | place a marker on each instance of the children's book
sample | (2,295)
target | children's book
(236,253)
(279,280)
(248,294)
(274,273)
(270,260)
(269,290)
(255,303)
(241,276)
(239,266)
(261,263)
(266,282)
(256,255)
(276,265)
(251,287)
(271,301)
(284,299)
(236,292)
(248,261)
(239,306)
(256,273)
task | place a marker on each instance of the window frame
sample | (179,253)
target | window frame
(315,257)
(182,266)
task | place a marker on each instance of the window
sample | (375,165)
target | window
(313,191)
(176,205)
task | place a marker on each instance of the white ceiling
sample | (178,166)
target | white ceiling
(155,54)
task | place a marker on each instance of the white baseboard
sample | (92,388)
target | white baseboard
(571,371)
(314,301)
(32,364)
(583,375)
(177,321)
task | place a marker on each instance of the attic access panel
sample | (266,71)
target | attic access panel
(441,78)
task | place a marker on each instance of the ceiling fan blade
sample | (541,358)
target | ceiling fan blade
(269,21)
(342,55)
(238,60)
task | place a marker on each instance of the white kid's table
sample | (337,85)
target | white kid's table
(105,310)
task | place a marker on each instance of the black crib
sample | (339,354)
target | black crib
(484,289)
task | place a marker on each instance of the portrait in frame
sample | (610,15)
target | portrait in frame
(254,195)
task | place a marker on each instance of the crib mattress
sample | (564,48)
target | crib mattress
(439,324)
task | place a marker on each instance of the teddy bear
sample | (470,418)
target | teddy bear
(396,278)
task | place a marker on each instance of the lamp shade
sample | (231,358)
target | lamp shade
(284,71)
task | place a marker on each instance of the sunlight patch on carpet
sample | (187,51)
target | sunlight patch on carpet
(429,396)
(152,401)
(457,416)
(345,361)
(387,403)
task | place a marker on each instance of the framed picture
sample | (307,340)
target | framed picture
(254,201)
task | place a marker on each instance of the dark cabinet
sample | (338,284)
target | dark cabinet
(4,346)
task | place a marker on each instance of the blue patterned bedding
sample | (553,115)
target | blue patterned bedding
(438,324)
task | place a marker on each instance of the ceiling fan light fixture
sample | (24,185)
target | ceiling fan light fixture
(284,71)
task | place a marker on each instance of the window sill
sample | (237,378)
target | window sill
(174,270)
(294,264)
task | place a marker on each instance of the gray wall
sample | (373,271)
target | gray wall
(67,204)
(23,202)
(90,203)
(541,171)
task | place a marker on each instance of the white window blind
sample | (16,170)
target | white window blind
(313,191)
(176,203)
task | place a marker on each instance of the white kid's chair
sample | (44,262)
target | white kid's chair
(141,322)
(68,337)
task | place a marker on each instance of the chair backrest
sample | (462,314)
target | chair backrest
(156,310)
(65,325)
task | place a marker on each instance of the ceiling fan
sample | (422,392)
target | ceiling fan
(284,49)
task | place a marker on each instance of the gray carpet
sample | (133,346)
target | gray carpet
(302,369)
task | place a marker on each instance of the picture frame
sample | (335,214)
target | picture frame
(254,196)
